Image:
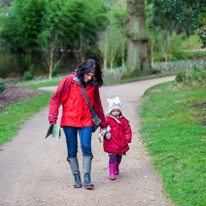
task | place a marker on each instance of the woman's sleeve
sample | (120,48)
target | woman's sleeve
(59,96)
(100,109)
(127,131)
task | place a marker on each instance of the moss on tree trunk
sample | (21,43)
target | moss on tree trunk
(138,62)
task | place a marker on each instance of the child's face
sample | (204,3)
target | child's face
(115,112)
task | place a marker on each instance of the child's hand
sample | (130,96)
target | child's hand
(108,128)
(108,135)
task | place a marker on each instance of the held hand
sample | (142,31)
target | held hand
(103,131)
(101,134)
(108,135)
(108,128)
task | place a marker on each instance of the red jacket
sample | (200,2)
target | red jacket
(75,112)
(121,135)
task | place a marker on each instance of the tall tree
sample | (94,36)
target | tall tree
(164,31)
(111,42)
(164,19)
(196,19)
(138,62)
(38,30)
(68,26)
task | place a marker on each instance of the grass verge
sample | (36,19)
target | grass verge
(34,84)
(173,128)
(16,114)
(193,54)
(39,83)
(150,76)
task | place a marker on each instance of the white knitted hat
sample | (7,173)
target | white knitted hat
(114,104)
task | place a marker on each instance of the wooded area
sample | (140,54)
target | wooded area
(39,37)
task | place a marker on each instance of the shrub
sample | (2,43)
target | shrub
(196,74)
(10,65)
(54,72)
(3,85)
(28,75)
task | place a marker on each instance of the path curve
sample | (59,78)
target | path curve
(34,171)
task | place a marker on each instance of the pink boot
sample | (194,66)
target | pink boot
(111,170)
(116,168)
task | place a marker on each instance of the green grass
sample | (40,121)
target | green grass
(34,84)
(175,137)
(188,54)
(15,115)
(111,81)
(55,81)
(42,84)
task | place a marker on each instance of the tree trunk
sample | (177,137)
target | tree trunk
(105,63)
(138,62)
(165,53)
(123,46)
(152,52)
(5,2)
(112,58)
(51,63)
(105,54)
(111,64)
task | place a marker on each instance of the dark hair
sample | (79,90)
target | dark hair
(88,66)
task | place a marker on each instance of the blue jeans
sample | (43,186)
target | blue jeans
(85,135)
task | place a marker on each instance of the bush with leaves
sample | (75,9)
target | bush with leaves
(196,74)
(3,85)
(28,75)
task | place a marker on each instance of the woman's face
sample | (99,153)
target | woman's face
(88,76)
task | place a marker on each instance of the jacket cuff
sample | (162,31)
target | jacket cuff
(103,125)
(52,122)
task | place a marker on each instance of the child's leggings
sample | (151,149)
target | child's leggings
(113,158)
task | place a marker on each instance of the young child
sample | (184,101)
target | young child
(116,140)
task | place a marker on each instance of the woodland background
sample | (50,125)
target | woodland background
(50,37)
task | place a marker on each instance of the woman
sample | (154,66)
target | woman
(76,115)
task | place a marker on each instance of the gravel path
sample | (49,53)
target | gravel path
(34,171)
